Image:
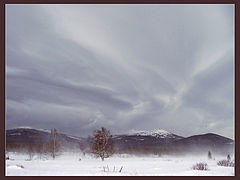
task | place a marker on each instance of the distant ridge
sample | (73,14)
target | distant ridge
(154,141)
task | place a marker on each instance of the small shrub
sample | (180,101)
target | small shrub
(226,163)
(200,166)
(21,166)
(209,155)
(228,157)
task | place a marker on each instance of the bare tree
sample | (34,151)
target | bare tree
(53,145)
(40,149)
(102,143)
(30,151)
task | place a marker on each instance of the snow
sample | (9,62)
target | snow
(15,134)
(157,132)
(73,137)
(68,164)
(28,127)
(23,127)
(44,130)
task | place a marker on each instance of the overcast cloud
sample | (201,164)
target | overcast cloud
(79,67)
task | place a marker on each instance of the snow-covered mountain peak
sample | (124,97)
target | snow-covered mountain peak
(28,127)
(23,127)
(156,132)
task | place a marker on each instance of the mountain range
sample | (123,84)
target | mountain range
(156,141)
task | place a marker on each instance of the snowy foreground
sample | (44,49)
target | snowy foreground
(68,164)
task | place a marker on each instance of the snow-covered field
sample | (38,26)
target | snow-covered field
(68,164)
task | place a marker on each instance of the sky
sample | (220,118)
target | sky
(77,68)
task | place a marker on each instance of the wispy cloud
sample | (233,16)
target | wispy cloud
(78,67)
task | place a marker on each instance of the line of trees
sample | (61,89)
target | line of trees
(101,145)
(50,147)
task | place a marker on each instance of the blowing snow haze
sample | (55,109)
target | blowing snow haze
(125,67)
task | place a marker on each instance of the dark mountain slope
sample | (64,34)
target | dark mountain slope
(157,141)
